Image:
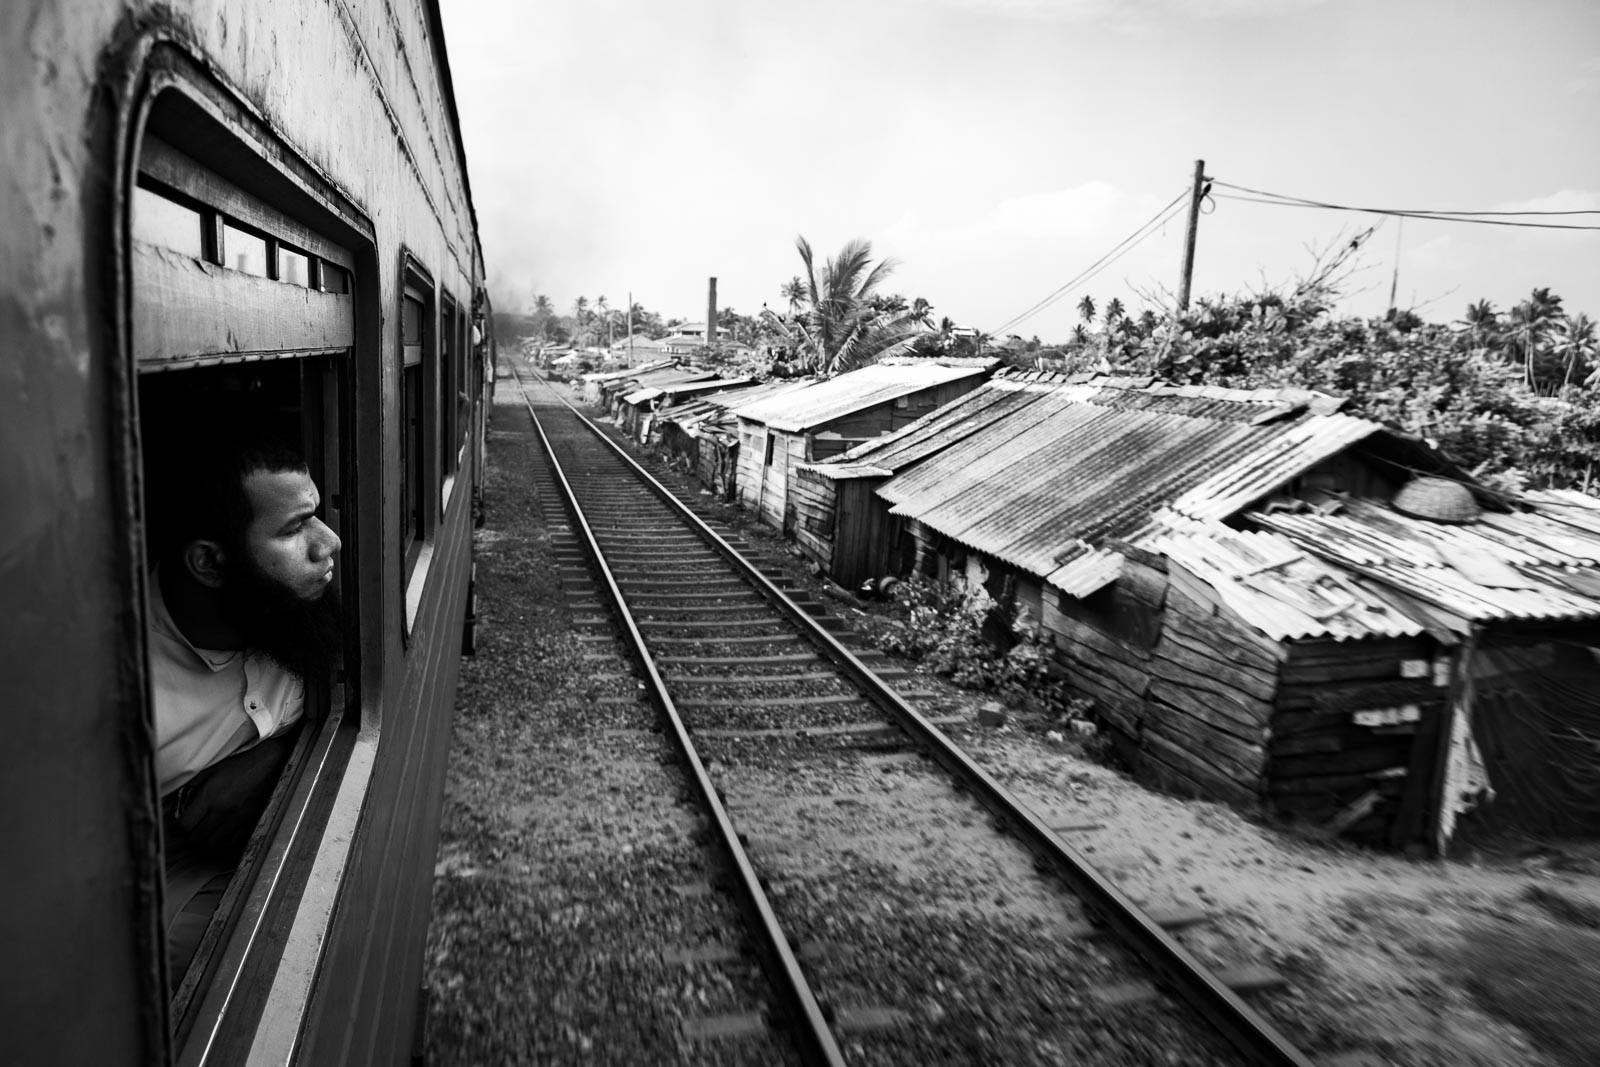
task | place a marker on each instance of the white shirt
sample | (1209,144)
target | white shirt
(206,701)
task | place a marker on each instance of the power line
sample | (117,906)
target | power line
(1122,247)
(1476,217)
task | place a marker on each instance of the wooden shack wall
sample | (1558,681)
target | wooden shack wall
(1323,762)
(866,538)
(1185,688)
(718,465)
(815,515)
(752,451)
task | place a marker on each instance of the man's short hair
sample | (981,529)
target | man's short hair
(197,480)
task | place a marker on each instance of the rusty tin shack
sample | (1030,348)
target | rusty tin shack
(1226,573)
(830,417)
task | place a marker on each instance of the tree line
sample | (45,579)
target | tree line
(1513,395)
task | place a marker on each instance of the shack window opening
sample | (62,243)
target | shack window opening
(771,444)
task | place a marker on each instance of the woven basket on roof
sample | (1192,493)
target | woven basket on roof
(1438,500)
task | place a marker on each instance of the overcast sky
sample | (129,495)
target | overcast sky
(997,148)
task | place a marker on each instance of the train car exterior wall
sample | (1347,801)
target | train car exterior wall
(355,97)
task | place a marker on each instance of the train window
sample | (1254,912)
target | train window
(160,220)
(449,383)
(244,251)
(293,267)
(416,371)
(225,348)
(334,279)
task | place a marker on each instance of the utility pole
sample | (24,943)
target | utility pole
(630,327)
(1394,282)
(1196,194)
(711,314)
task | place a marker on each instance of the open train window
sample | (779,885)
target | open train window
(242,315)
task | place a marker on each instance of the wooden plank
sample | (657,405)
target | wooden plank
(1238,759)
(1161,758)
(1263,687)
(1189,595)
(1248,704)
(186,310)
(1364,760)
(1216,642)
(1218,713)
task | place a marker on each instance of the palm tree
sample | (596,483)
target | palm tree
(836,328)
(580,319)
(543,311)
(1532,320)
(1482,322)
(793,291)
(922,313)
(1086,309)
(1113,311)
(602,309)
(1575,340)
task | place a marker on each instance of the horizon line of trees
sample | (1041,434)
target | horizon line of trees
(1513,395)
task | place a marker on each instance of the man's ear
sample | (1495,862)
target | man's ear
(204,561)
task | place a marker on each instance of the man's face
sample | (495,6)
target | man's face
(278,589)
(285,540)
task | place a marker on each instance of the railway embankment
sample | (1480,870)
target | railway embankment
(563,870)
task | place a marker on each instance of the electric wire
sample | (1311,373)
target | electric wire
(1481,218)
(1127,244)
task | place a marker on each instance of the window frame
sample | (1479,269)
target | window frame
(416,541)
(179,100)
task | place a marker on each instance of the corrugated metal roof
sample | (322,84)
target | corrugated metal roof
(939,429)
(1506,569)
(1251,475)
(848,393)
(834,472)
(1088,573)
(1275,586)
(1061,471)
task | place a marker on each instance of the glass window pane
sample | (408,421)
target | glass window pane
(411,322)
(334,279)
(293,267)
(159,221)
(244,251)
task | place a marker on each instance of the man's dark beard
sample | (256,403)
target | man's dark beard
(303,636)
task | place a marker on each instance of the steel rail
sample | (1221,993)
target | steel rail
(1176,967)
(803,1017)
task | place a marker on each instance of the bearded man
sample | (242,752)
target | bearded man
(242,619)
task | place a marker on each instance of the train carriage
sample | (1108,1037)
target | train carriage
(260,209)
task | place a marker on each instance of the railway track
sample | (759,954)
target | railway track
(875,863)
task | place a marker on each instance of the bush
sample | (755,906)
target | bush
(942,624)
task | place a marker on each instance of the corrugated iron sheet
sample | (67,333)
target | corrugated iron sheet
(1252,474)
(848,393)
(939,429)
(1061,471)
(1440,564)
(1277,587)
(1088,573)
